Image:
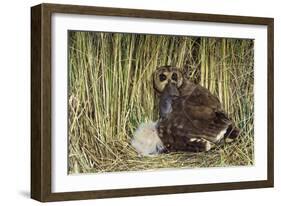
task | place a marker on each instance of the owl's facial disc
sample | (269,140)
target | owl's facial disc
(166,75)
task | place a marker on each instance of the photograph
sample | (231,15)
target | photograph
(141,102)
(134,102)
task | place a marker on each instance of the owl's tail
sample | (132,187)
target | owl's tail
(146,140)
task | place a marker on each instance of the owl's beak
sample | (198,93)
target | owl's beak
(171,89)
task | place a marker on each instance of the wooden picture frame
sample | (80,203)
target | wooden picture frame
(41,97)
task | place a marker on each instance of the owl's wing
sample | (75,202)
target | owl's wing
(180,126)
(197,116)
(200,104)
(180,137)
(201,96)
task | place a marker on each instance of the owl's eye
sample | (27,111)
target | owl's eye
(162,77)
(174,77)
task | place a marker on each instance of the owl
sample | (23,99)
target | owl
(191,118)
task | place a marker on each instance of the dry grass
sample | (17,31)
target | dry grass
(110,94)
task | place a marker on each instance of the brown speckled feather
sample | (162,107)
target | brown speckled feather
(197,115)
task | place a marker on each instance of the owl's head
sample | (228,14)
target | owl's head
(165,76)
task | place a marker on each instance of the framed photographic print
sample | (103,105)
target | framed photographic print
(128,102)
